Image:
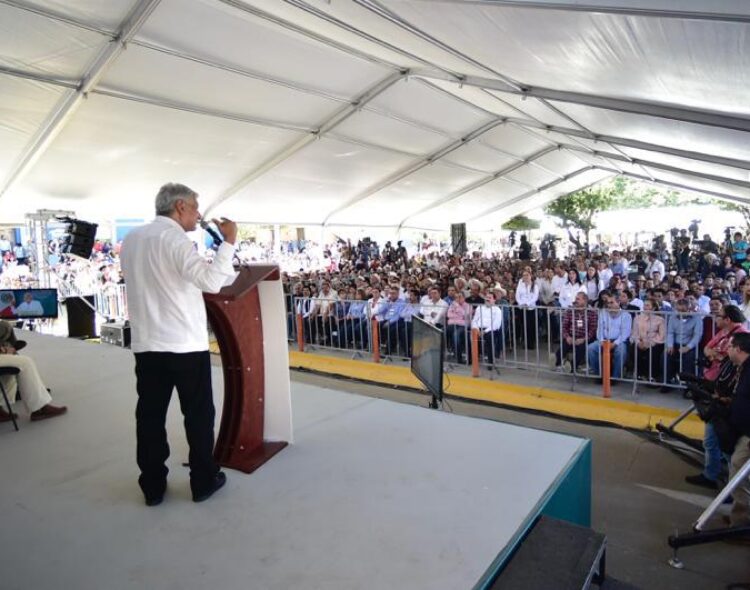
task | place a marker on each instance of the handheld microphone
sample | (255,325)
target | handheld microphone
(218,239)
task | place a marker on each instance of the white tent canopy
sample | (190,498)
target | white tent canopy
(389,113)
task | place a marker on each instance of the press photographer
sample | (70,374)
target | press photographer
(739,419)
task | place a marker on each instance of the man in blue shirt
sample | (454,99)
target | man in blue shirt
(389,325)
(619,265)
(684,332)
(739,248)
(614,325)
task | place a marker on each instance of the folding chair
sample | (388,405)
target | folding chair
(13,371)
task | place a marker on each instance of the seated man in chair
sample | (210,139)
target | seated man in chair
(32,389)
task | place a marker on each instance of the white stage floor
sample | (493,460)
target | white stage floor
(373,494)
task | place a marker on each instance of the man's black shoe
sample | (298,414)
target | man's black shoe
(703,481)
(154,500)
(219,480)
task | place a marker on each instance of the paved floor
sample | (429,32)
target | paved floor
(639,498)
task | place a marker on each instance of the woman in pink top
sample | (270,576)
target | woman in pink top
(459,317)
(648,337)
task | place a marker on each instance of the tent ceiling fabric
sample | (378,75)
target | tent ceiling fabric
(387,113)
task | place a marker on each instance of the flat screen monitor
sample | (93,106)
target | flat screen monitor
(22,304)
(428,349)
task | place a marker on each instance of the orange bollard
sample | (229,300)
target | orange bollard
(375,341)
(474,352)
(300,333)
(606,369)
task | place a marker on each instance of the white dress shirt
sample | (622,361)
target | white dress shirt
(655,266)
(558,282)
(434,313)
(165,278)
(525,295)
(568,293)
(487,318)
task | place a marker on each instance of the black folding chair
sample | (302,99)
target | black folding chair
(12,371)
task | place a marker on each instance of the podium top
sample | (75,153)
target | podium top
(249,276)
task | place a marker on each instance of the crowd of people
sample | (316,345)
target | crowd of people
(661,313)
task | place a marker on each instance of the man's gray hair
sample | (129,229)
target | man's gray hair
(169,194)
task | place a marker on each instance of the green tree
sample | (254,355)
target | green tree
(578,209)
(521,223)
(744,210)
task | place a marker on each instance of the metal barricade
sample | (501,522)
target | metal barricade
(111,301)
(544,339)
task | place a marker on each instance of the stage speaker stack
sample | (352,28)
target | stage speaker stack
(81,317)
(79,237)
(458,238)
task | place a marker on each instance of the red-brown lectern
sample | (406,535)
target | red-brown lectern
(235,317)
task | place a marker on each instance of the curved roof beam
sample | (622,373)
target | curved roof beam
(667,168)
(341,115)
(387,14)
(639,145)
(71,100)
(679,186)
(377,7)
(608,8)
(57,16)
(479,183)
(530,193)
(638,107)
(414,167)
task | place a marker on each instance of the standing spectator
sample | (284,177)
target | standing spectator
(654,266)
(619,265)
(458,317)
(739,248)
(306,309)
(527,294)
(524,248)
(739,418)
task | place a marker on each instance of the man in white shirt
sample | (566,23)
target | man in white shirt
(488,319)
(654,265)
(324,305)
(434,310)
(165,278)
(30,307)
(558,280)
(605,274)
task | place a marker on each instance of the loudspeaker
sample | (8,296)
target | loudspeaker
(458,238)
(79,237)
(81,317)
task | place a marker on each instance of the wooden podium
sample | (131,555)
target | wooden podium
(236,318)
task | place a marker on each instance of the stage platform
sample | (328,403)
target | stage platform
(373,494)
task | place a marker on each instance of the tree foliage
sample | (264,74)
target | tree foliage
(578,209)
(743,210)
(521,223)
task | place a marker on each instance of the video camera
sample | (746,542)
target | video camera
(701,393)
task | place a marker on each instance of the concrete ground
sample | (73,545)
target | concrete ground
(639,497)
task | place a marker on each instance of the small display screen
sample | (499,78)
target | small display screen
(20,304)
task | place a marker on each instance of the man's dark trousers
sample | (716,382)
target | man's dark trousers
(158,373)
